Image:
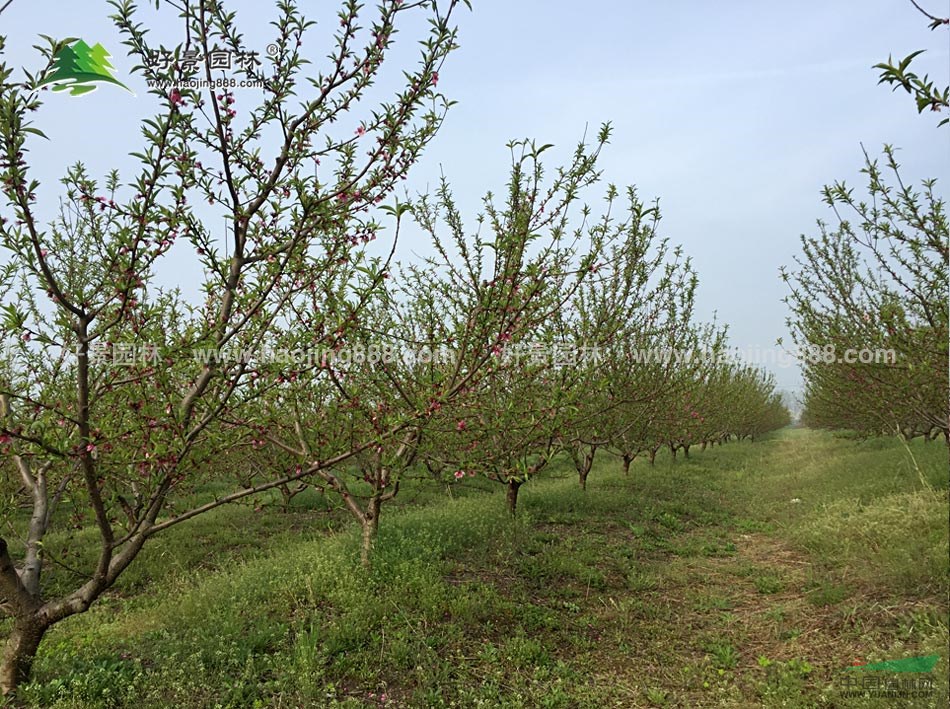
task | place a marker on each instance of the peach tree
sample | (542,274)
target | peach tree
(869,309)
(115,392)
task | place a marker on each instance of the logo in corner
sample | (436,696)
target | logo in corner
(921,664)
(78,68)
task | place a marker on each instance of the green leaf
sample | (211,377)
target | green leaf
(35,131)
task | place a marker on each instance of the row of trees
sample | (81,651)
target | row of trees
(868,297)
(877,287)
(119,399)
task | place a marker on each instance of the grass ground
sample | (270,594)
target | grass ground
(749,575)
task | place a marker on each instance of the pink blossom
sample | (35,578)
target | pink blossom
(459,474)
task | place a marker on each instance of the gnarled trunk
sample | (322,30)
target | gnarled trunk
(584,463)
(18,653)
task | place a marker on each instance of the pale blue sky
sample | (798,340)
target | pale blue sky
(733,113)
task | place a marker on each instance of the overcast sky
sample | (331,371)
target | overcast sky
(733,113)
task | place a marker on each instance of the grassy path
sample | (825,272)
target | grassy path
(748,575)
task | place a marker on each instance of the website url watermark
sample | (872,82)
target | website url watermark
(555,355)
(224,82)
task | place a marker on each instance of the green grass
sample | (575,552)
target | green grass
(695,583)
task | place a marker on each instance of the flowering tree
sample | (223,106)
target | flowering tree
(363,406)
(438,328)
(869,309)
(677,425)
(663,370)
(520,277)
(868,297)
(617,313)
(79,294)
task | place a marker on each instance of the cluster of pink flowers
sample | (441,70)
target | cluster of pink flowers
(348,197)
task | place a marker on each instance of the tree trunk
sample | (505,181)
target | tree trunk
(370,523)
(18,653)
(584,464)
(512,496)
(686,451)
(653,456)
(627,460)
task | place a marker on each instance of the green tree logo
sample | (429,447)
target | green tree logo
(79,67)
